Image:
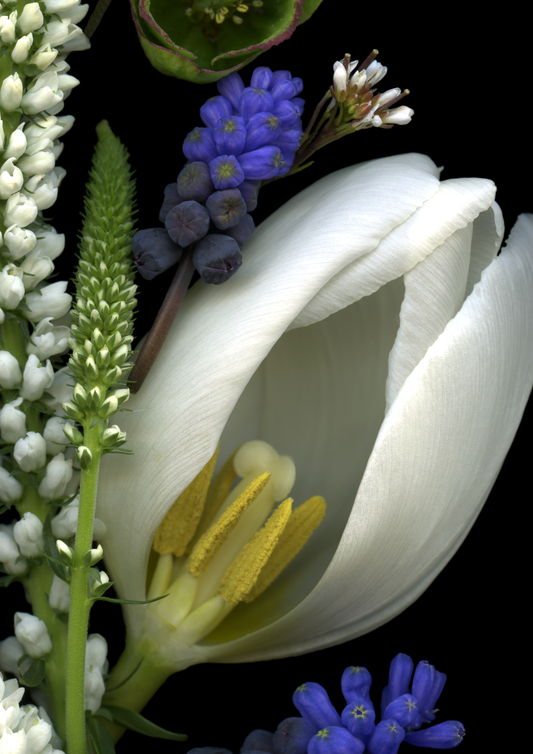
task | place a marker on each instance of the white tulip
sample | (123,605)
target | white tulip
(378,340)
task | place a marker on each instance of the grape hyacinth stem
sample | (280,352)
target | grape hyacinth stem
(163,322)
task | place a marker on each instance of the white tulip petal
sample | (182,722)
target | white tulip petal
(435,460)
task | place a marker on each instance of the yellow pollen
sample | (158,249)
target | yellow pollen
(180,523)
(218,492)
(242,8)
(220,17)
(302,523)
(210,543)
(242,574)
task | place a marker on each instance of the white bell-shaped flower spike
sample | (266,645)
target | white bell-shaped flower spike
(58,474)
(50,301)
(28,534)
(12,422)
(10,373)
(37,378)
(32,634)
(30,452)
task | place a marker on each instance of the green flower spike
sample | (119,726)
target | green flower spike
(204,40)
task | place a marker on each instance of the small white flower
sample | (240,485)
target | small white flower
(56,6)
(60,32)
(11,650)
(30,452)
(375,72)
(66,552)
(96,665)
(19,241)
(35,269)
(39,162)
(50,127)
(10,488)
(44,94)
(50,301)
(59,597)
(36,378)
(12,422)
(58,475)
(96,653)
(32,634)
(47,340)
(28,534)
(31,18)
(44,188)
(10,373)
(21,49)
(17,143)
(44,56)
(67,83)
(11,179)
(56,440)
(20,210)
(400,116)
(50,243)
(7,30)
(11,92)
(11,288)
(65,523)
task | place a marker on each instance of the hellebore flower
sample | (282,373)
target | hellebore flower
(378,340)
(203,41)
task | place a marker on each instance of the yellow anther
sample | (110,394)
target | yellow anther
(179,525)
(242,8)
(257,3)
(210,543)
(237,20)
(302,523)
(220,17)
(218,492)
(242,574)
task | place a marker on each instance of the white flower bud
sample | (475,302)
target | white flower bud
(50,301)
(44,56)
(21,49)
(11,93)
(31,18)
(60,32)
(94,556)
(56,440)
(399,116)
(47,340)
(66,553)
(56,6)
(38,734)
(7,31)
(19,241)
(17,143)
(11,650)
(84,456)
(20,210)
(11,288)
(44,94)
(8,547)
(28,534)
(39,162)
(2,134)
(58,475)
(30,452)
(10,488)
(12,422)
(67,83)
(59,598)
(44,188)
(65,523)
(35,269)
(10,374)
(32,634)
(94,688)
(11,179)
(76,14)
(50,243)
(36,378)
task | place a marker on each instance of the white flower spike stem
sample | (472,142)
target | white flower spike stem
(402,429)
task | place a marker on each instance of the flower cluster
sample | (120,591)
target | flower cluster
(251,134)
(24,729)
(35,42)
(404,709)
(361,107)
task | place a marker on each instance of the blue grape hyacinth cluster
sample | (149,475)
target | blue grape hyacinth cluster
(321,730)
(250,135)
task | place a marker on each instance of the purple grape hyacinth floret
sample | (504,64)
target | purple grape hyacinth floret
(250,134)
(321,730)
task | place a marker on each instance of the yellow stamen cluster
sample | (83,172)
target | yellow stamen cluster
(236,545)
(219,13)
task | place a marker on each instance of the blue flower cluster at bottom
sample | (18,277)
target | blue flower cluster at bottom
(321,730)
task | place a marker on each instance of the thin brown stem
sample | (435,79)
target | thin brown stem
(163,322)
(96,17)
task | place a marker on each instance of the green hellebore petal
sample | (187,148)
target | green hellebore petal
(384,346)
(177,47)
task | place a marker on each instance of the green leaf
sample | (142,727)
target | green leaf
(102,741)
(139,724)
(51,552)
(34,675)
(103,712)
(7,580)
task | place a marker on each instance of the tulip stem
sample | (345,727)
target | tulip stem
(96,16)
(163,322)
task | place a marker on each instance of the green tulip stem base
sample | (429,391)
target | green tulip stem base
(80,603)
(163,322)
(137,683)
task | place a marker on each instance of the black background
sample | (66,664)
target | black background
(473,115)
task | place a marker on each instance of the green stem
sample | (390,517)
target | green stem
(80,604)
